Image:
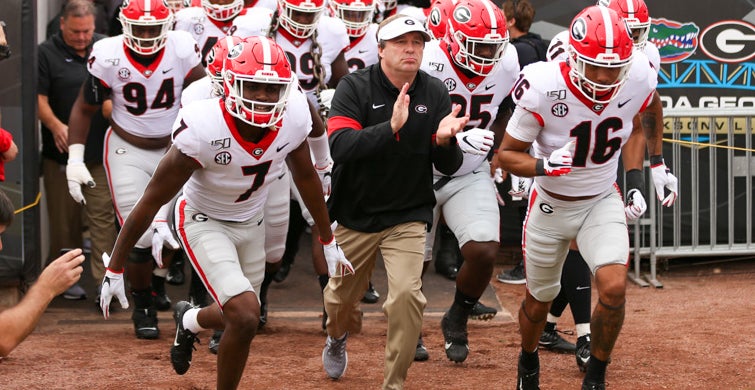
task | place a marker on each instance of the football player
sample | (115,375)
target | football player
(143,71)
(576,283)
(225,154)
(479,71)
(575,116)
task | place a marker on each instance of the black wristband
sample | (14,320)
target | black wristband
(634,180)
(540,167)
(656,160)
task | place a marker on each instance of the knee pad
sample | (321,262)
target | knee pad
(140,255)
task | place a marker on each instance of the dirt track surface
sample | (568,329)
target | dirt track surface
(694,333)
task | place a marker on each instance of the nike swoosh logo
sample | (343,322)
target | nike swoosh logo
(167,70)
(475,172)
(69,59)
(448,345)
(623,103)
(467,142)
(376,106)
(487,87)
(281,147)
(582,287)
(362,51)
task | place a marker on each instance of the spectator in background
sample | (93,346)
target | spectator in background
(62,71)
(8,150)
(101,17)
(20,320)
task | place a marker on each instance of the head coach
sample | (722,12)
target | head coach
(389,123)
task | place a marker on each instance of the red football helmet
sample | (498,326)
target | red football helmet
(286,9)
(215,60)
(139,19)
(355,14)
(599,37)
(222,12)
(637,16)
(478,35)
(437,19)
(257,60)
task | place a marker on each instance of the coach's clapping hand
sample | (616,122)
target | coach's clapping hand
(450,125)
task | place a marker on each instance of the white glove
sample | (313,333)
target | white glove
(112,286)
(475,141)
(338,265)
(520,187)
(161,236)
(559,162)
(636,205)
(77,173)
(325,176)
(326,97)
(663,179)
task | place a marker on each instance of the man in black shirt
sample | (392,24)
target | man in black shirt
(389,123)
(62,70)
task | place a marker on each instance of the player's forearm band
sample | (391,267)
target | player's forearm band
(320,149)
(656,160)
(540,167)
(635,180)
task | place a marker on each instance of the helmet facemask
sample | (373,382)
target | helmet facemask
(146,45)
(222,12)
(287,14)
(356,15)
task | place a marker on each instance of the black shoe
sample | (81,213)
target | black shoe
(448,257)
(553,341)
(162,302)
(513,276)
(183,344)
(176,276)
(482,313)
(455,336)
(282,272)
(263,316)
(588,385)
(582,353)
(420,355)
(371,295)
(145,323)
(527,379)
(215,341)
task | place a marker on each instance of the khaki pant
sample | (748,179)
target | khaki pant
(402,248)
(65,214)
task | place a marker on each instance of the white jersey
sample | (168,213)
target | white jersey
(363,51)
(559,43)
(198,90)
(565,114)
(145,100)
(233,182)
(479,96)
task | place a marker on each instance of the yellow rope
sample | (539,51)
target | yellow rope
(36,202)
(675,141)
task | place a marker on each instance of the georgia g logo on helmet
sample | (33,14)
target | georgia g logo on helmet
(235,51)
(462,14)
(579,30)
